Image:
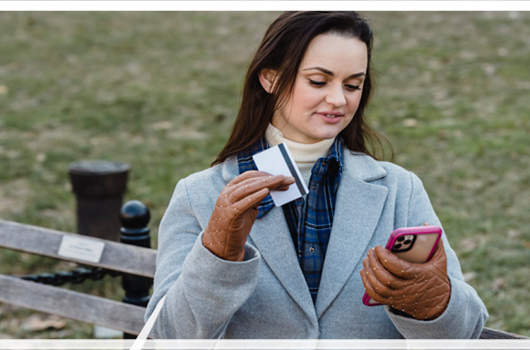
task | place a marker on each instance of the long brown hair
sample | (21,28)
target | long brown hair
(282,49)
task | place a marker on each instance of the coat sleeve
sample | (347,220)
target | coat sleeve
(203,291)
(466,314)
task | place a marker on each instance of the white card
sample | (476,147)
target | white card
(278,160)
(81,249)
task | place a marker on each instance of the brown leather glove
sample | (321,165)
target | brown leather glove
(420,290)
(236,210)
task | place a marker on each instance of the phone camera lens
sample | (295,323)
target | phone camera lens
(407,241)
(397,246)
(400,239)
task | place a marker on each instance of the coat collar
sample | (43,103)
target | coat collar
(358,206)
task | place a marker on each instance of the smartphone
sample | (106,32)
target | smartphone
(412,244)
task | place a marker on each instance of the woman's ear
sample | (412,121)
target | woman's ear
(267,78)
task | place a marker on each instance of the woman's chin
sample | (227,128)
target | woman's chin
(324,134)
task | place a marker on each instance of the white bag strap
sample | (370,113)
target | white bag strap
(144,333)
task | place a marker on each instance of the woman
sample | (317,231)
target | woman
(234,266)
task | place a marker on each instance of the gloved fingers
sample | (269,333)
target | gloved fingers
(379,287)
(247,175)
(437,265)
(247,187)
(282,187)
(383,276)
(251,201)
(370,290)
(395,265)
(240,178)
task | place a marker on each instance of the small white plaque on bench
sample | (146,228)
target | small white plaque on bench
(81,249)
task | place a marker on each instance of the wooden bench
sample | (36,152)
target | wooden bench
(66,303)
(82,307)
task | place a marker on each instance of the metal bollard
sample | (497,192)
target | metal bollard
(99,186)
(134,217)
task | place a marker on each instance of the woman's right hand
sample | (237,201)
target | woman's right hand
(236,210)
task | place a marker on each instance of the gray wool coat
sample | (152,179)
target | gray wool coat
(266,295)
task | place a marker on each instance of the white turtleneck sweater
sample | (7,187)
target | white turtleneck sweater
(305,155)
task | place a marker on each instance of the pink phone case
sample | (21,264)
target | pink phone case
(413,244)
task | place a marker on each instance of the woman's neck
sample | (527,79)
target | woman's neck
(305,155)
(302,152)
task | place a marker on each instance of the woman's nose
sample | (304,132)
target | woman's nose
(336,96)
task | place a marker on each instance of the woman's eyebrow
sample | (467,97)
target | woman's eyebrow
(328,72)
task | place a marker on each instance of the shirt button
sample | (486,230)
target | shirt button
(312,250)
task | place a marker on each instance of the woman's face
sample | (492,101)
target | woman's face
(327,90)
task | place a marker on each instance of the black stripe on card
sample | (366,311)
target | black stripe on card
(291,166)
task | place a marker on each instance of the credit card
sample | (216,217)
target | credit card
(278,160)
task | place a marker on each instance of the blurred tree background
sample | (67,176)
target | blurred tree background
(160,90)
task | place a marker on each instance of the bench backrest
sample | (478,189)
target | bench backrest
(70,304)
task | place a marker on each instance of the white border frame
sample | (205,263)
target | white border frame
(433,344)
(264,5)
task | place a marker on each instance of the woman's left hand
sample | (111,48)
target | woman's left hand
(420,290)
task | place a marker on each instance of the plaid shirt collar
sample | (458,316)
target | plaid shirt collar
(333,162)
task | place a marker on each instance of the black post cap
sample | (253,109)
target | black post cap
(134,217)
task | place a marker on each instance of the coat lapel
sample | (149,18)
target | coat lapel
(358,208)
(271,236)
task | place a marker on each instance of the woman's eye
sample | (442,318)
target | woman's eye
(322,83)
(353,87)
(317,83)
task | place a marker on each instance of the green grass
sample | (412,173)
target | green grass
(160,91)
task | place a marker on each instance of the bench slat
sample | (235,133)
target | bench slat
(116,256)
(66,303)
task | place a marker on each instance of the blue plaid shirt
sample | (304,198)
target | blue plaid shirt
(309,220)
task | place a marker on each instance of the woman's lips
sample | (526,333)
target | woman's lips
(331,120)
